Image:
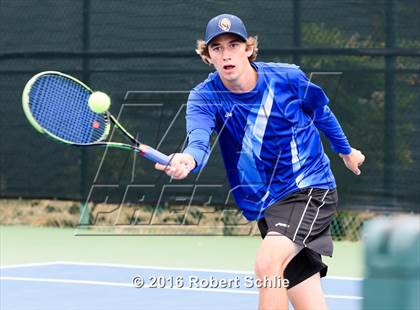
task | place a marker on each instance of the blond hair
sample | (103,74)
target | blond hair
(202,49)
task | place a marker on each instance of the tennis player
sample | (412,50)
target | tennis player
(268,117)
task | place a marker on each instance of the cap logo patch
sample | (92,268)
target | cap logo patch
(224,24)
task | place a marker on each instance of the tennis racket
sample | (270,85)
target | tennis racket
(56,105)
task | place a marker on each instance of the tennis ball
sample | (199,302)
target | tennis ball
(99,102)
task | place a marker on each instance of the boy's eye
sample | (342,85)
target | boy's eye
(216,48)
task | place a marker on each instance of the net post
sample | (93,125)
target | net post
(296,30)
(84,219)
(84,210)
(389,110)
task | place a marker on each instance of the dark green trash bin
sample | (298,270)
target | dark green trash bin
(392,256)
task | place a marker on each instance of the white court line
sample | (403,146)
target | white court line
(66,281)
(154,267)
(85,282)
(120,284)
(343,278)
(122,266)
(29,265)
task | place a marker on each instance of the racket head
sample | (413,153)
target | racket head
(56,105)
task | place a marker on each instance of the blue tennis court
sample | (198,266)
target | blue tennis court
(65,285)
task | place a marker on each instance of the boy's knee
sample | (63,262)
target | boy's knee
(274,256)
(266,265)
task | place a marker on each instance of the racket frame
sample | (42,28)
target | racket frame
(39,128)
(138,147)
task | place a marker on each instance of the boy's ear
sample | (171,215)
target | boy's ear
(249,50)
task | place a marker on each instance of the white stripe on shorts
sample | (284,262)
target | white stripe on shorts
(317,212)
(304,211)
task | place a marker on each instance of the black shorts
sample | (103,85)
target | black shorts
(304,217)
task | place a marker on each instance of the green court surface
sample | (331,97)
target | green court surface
(24,245)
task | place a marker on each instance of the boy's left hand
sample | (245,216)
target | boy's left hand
(353,160)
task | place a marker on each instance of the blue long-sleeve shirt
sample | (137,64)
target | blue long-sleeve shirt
(269,137)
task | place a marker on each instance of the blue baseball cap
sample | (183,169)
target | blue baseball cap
(225,23)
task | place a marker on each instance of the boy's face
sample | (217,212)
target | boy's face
(229,55)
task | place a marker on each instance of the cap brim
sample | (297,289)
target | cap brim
(227,32)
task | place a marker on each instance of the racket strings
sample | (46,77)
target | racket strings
(60,106)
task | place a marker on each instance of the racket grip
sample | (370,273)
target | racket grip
(154,155)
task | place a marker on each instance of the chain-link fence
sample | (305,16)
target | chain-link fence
(365,54)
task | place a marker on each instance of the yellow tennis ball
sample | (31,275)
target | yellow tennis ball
(99,102)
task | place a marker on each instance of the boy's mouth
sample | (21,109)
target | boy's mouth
(228,67)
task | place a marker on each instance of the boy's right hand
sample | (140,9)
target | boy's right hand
(180,166)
